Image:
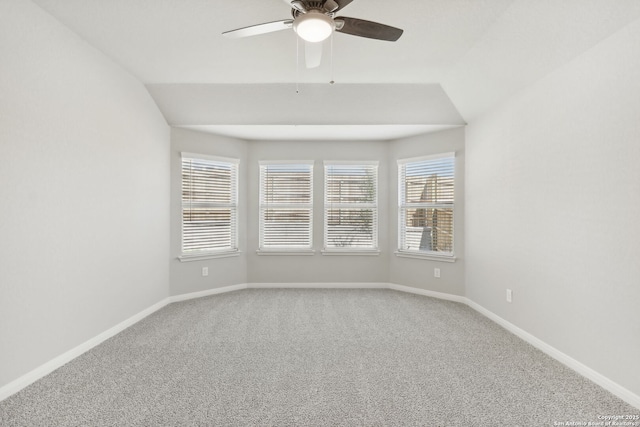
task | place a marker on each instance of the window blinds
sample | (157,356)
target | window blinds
(351,206)
(209,204)
(426,204)
(286,205)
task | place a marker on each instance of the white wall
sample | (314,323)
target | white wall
(84,192)
(317,268)
(186,277)
(419,273)
(553,209)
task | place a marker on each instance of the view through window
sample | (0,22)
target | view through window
(351,206)
(426,204)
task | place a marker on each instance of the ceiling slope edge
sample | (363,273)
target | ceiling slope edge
(188,105)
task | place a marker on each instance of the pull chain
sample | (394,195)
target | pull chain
(297,64)
(331,61)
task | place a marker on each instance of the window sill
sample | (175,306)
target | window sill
(351,252)
(285,252)
(210,255)
(430,257)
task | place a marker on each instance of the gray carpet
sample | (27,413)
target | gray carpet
(316,357)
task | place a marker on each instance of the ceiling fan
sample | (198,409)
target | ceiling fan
(315,21)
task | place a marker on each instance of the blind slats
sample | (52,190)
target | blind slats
(426,205)
(209,205)
(350,202)
(286,206)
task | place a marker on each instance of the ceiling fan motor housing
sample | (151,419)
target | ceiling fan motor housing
(308,6)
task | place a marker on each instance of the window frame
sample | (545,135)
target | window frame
(233,248)
(263,247)
(403,205)
(374,249)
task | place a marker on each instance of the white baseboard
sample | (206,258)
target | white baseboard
(426,293)
(208,292)
(604,382)
(50,366)
(355,285)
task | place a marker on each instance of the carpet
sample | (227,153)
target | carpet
(313,357)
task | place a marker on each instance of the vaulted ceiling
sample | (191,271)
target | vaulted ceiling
(456,59)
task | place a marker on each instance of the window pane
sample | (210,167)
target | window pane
(350,184)
(286,186)
(350,228)
(282,228)
(206,182)
(430,181)
(428,229)
(207,228)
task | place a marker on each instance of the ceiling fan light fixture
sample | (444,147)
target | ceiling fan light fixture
(313,26)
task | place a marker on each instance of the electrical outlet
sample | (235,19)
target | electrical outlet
(205,271)
(436,272)
(509,295)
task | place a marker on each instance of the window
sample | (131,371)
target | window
(426,205)
(209,205)
(350,206)
(286,206)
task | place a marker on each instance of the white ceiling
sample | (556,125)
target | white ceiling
(466,54)
(310,104)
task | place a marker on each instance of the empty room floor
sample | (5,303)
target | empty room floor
(312,357)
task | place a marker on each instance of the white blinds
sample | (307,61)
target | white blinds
(209,204)
(350,206)
(286,206)
(426,204)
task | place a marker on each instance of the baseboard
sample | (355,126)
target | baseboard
(328,285)
(426,293)
(604,382)
(50,366)
(208,292)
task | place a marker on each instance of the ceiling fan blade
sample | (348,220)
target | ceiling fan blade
(371,30)
(331,6)
(342,4)
(297,5)
(312,54)
(254,30)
